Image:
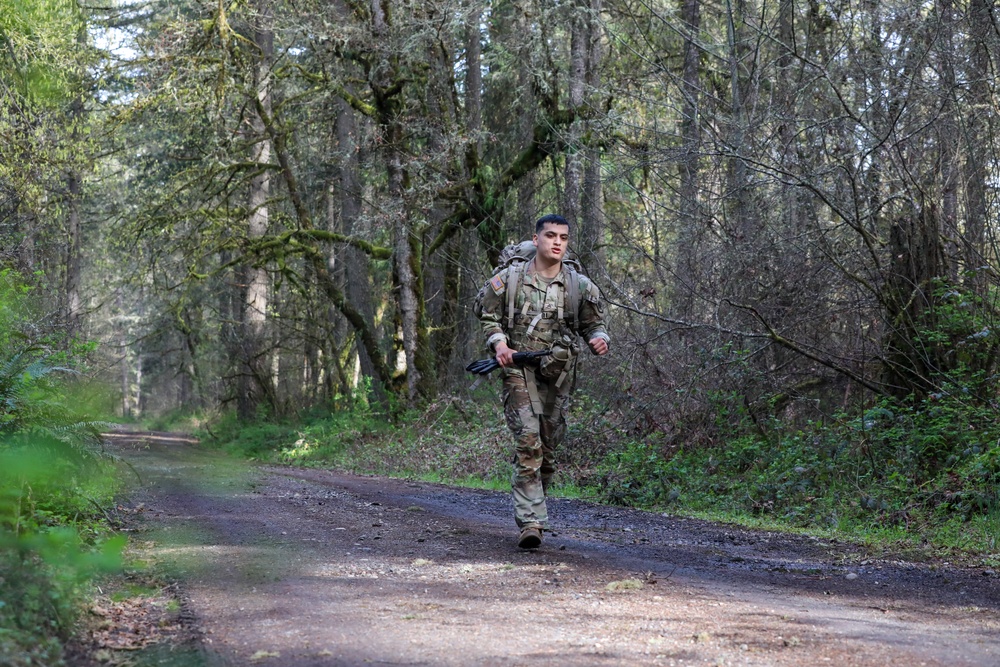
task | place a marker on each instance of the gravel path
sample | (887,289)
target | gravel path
(304,567)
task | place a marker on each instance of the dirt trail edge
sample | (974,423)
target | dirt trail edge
(302,567)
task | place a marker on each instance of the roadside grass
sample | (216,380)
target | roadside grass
(54,539)
(453,440)
(56,481)
(920,480)
(915,477)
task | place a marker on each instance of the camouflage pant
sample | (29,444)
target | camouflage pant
(535,440)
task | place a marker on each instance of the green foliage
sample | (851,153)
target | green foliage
(928,470)
(960,326)
(54,482)
(450,439)
(24,381)
(923,470)
(923,466)
(254,441)
(37,37)
(35,367)
(944,343)
(635,474)
(52,541)
(178,420)
(925,436)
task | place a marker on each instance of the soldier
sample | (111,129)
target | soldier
(550,307)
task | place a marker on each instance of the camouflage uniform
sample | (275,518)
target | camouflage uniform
(535,400)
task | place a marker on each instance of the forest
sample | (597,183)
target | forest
(278,208)
(271,218)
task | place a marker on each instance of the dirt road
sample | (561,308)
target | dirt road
(298,567)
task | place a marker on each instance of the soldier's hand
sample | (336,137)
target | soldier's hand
(599,345)
(505,355)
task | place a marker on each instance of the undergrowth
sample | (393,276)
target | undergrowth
(53,539)
(451,440)
(926,472)
(54,484)
(923,472)
(924,469)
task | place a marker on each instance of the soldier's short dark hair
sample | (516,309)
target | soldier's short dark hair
(550,218)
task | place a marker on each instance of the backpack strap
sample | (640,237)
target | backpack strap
(513,283)
(572,295)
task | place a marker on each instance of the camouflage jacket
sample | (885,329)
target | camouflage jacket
(540,319)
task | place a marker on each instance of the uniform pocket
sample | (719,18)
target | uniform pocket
(553,365)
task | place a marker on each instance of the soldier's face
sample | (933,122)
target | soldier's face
(552,242)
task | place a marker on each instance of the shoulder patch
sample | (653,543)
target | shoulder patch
(496,282)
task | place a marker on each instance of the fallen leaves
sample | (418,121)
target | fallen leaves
(129,616)
(132,623)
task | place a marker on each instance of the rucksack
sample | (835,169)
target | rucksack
(516,257)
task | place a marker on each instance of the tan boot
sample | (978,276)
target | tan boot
(531,537)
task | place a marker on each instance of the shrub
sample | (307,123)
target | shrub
(54,480)
(51,543)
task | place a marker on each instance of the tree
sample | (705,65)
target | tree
(780,199)
(45,151)
(255,378)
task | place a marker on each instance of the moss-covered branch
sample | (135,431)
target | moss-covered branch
(486,198)
(789,344)
(319,259)
(266,243)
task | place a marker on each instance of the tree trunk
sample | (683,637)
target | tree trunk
(406,255)
(358,283)
(404,260)
(690,219)
(589,245)
(982,36)
(871,80)
(473,72)
(73,302)
(743,224)
(948,134)
(454,254)
(910,367)
(572,171)
(125,349)
(255,379)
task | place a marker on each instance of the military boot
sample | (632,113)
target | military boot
(531,537)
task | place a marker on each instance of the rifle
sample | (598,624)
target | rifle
(484,367)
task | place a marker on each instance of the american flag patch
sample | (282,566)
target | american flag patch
(496,282)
